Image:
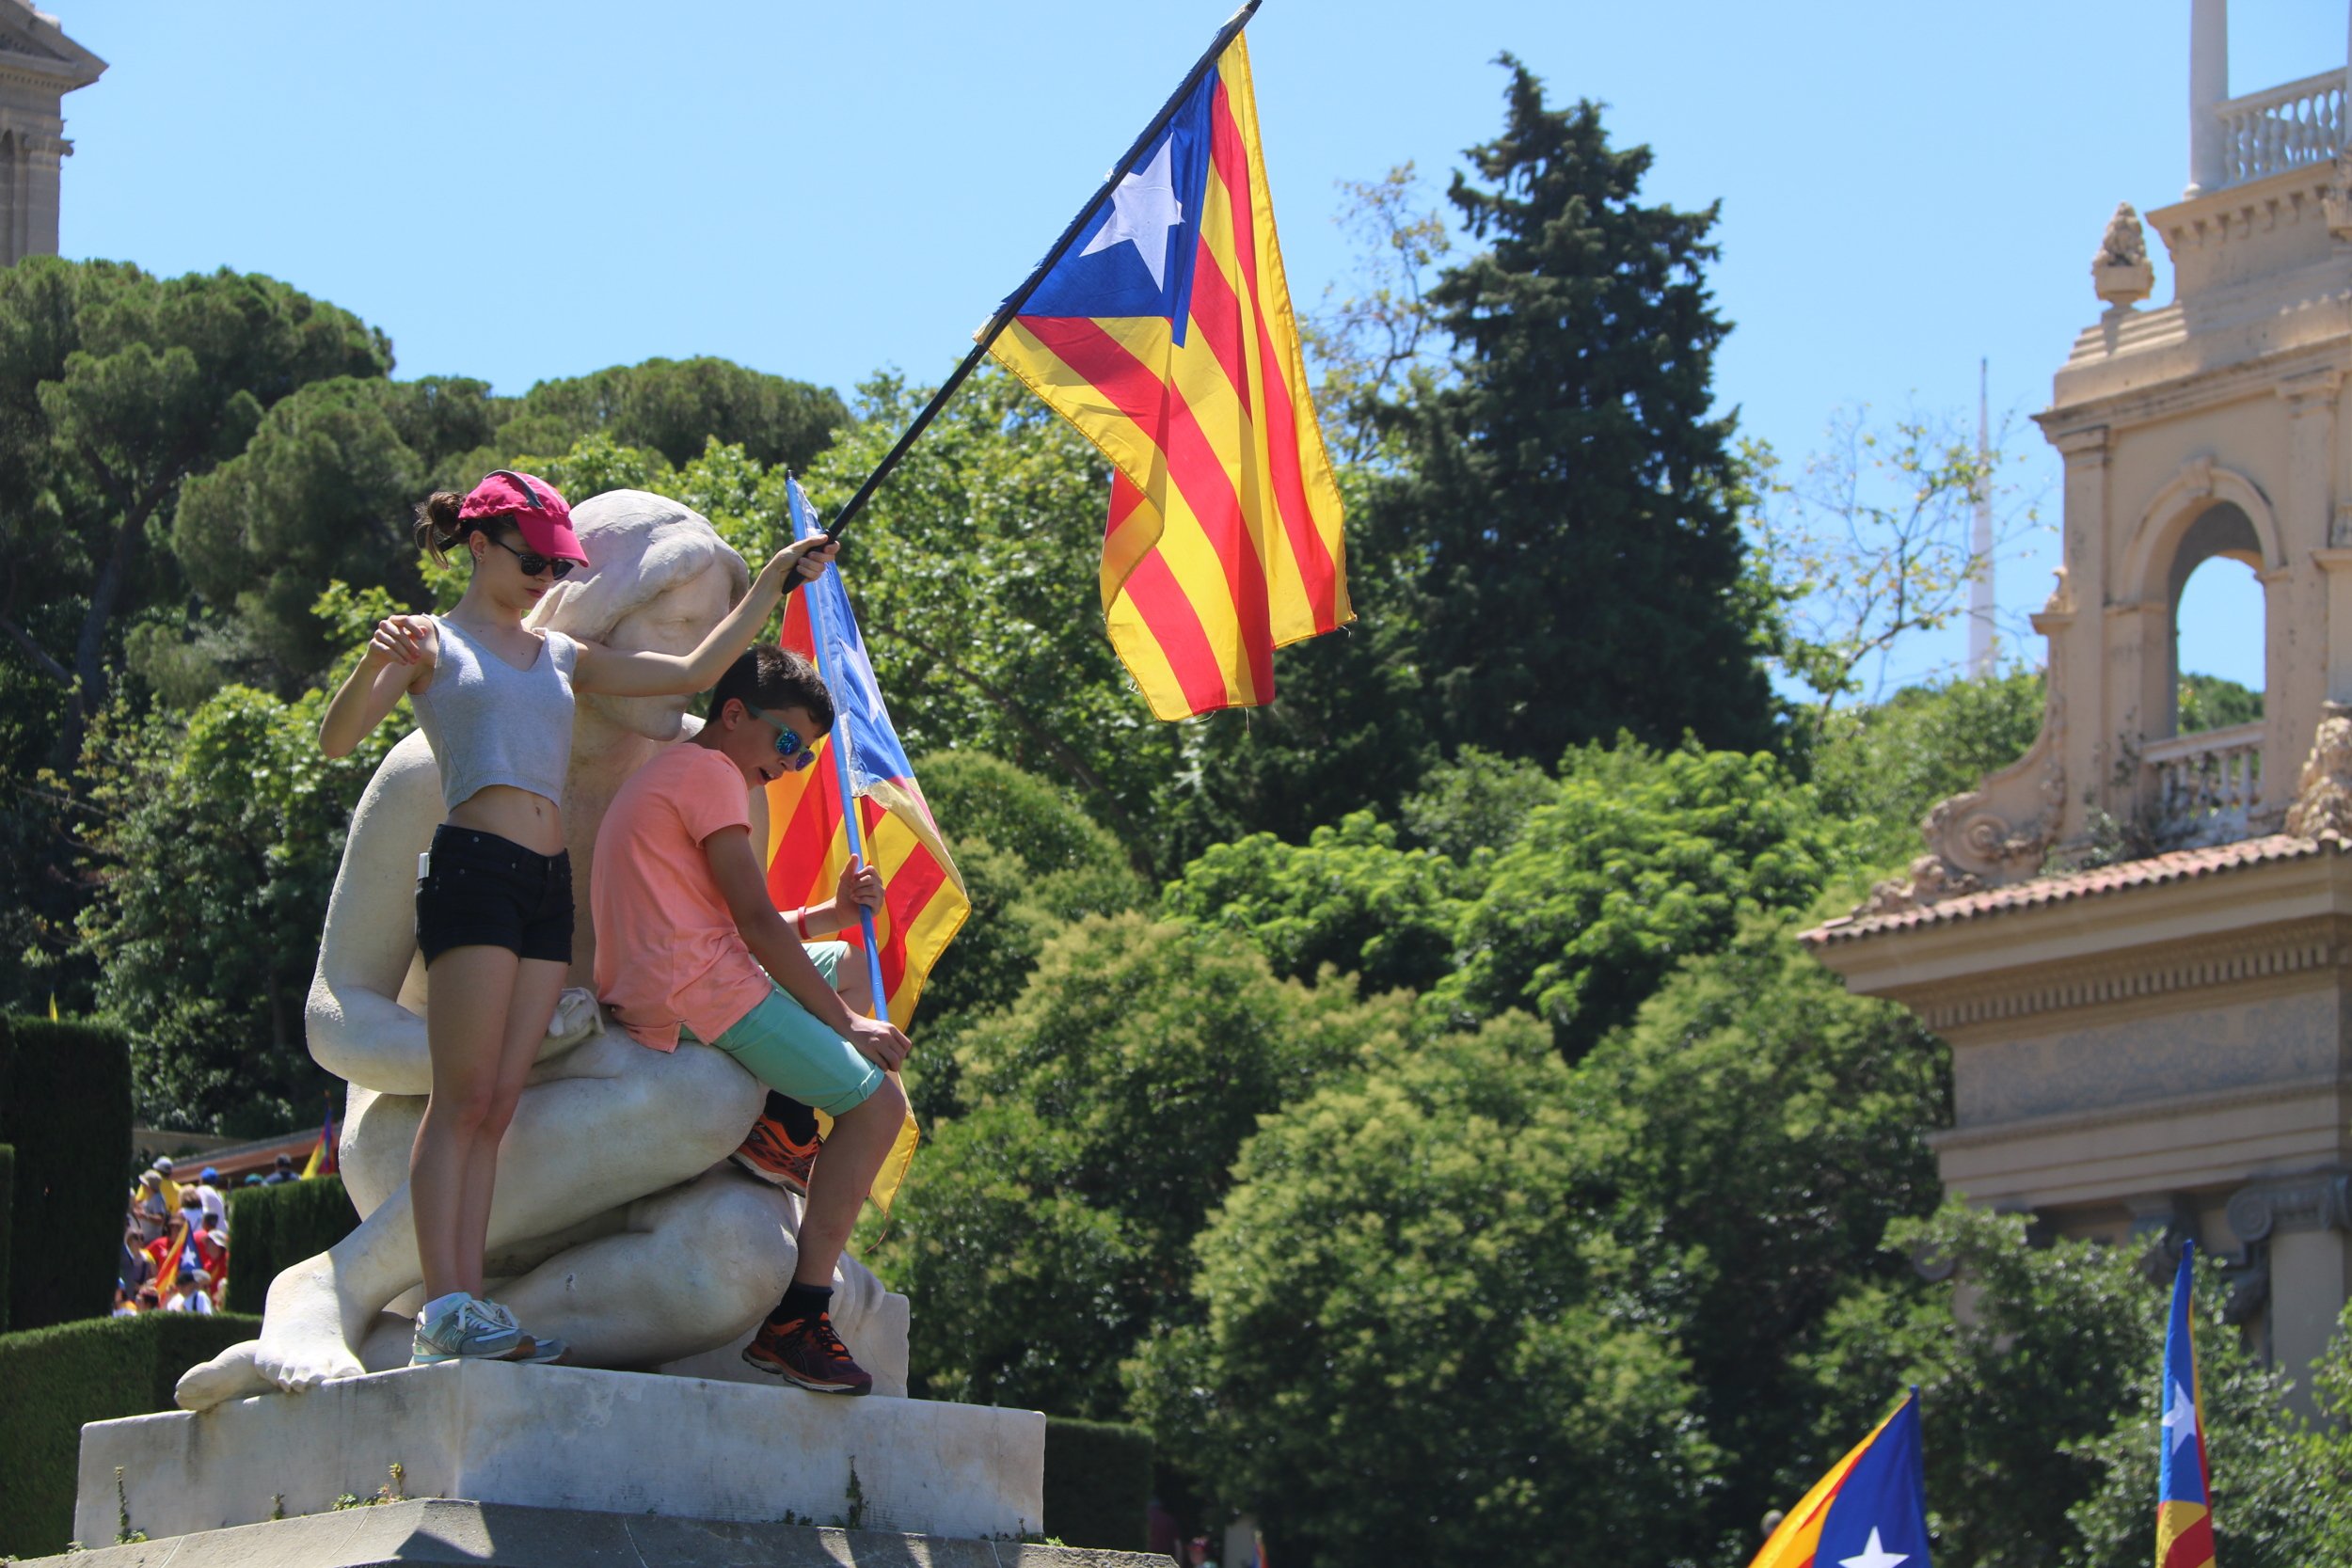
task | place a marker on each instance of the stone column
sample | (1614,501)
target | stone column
(2078,651)
(39,159)
(2300,1225)
(2298,665)
(2208,88)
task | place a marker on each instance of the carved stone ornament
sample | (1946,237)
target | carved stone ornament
(2335,203)
(2323,797)
(2120,273)
(1996,834)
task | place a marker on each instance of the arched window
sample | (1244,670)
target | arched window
(2218,624)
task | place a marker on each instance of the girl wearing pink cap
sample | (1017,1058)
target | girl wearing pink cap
(494,894)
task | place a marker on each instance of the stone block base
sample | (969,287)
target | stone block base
(495,1535)
(564,1437)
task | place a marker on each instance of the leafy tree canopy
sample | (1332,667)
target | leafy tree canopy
(1567,501)
(1407,1349)
(674,406)
(1106,1107)
(1347,899)
(216,854)
(326,490)
(1643,858)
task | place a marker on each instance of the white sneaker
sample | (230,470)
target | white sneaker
(466,1329)
(534,1349)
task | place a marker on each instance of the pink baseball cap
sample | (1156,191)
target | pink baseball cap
(536,507)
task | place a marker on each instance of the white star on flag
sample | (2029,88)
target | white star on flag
(1143,209)
(2181,1419)
(1875,1555)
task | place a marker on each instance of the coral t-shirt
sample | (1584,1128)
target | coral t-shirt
(667,949)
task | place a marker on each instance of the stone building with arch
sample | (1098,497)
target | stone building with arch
(39,65)
(2138,942)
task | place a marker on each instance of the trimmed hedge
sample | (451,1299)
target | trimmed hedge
(1098,1484)
(65,1106)
(272,1227)
(8,1198)
(54,1380)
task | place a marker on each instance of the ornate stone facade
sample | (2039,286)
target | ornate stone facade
(39,65)
(2137,943)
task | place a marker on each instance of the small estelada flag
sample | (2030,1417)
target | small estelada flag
(1869,1512)
(2184,1483)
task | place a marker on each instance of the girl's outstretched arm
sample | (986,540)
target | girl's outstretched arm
(615,673)
(400,658)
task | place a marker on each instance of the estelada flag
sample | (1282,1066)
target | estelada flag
(2184,1483)
(322,1160)
(1869,1512)
(924,899)
(1165,333)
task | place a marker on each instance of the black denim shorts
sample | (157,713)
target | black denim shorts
(480,890)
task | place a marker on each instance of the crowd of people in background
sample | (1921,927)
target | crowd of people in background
(175,1240)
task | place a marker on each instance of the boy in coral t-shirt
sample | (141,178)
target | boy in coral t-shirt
(687,939)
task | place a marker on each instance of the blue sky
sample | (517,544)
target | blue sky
(515,189)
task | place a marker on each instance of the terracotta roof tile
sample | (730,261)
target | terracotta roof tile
(2177,865)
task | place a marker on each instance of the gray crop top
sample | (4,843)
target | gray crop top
(490,724)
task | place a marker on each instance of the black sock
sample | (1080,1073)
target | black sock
(801,1303)
(800,1123)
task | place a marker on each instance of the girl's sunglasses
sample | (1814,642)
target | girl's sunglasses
(532,562)
(788,745)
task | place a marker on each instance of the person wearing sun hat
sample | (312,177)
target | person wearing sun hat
(493,693)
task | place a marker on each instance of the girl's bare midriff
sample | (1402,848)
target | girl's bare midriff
(515,815)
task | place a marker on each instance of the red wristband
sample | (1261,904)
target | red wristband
(800,922)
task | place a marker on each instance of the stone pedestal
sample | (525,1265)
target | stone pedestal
(493,1535)
(561,1437)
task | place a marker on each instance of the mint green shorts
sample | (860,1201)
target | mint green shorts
(781,1043)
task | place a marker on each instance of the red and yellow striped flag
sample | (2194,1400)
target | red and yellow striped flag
(924,903)
(1165,333)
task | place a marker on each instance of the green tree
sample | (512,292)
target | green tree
(1642,860)
(2215,703)
(122,387)
(1032,864)
(674,406)
(1407,1347)
(1476,802)
(1872,543)
(1347,899)
(214,861)
(1766,1128)
(1568,502)
(1105,1107)
(326,490)
(115,389)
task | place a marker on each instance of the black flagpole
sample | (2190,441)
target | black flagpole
(1020,296)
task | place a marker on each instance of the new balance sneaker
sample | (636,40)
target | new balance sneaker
(771,1154)
(536,1349)
(808,1352)
(466,1329)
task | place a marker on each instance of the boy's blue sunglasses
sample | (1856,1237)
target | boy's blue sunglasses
(788,745)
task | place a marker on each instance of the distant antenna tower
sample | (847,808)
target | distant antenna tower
(1980,540)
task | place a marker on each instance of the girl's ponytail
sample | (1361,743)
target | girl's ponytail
(439,527)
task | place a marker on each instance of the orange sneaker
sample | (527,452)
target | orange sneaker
(771,1154)
(808,1352)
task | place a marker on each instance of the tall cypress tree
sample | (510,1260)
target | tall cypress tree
(1567,502)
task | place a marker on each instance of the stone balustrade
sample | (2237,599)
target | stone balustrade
(2262,132)
(2206,788)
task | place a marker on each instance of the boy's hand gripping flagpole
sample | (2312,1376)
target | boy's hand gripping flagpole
(829,636)
(1011,307)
